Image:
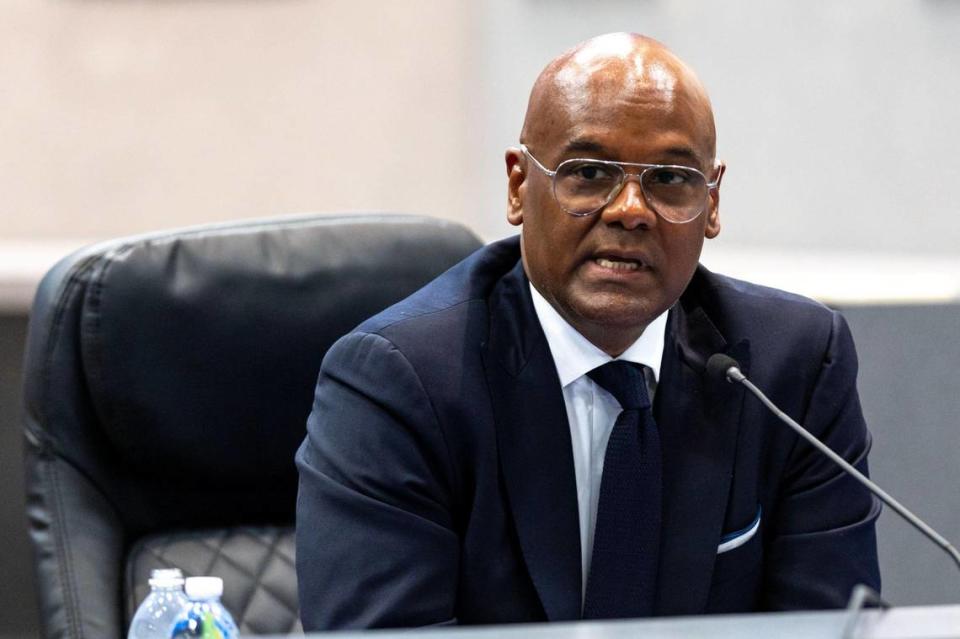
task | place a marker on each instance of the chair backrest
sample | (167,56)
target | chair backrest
(166,384)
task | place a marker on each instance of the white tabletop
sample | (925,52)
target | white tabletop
(926,622)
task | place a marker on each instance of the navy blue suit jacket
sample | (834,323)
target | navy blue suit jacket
(437,481)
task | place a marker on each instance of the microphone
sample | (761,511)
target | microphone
(721,366)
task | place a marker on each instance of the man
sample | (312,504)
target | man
(472,456)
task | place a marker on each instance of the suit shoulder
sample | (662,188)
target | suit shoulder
(737,296)
(449,305)
(765,316)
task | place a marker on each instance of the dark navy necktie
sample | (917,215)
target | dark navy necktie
(626,540)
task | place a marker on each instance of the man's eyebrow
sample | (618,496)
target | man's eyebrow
(679,153)
(682,152)
(585,146)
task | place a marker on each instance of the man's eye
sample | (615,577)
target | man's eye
(590,172)
(671,177)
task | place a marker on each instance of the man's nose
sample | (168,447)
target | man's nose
(630,207)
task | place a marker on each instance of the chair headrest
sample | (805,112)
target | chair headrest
(198,350)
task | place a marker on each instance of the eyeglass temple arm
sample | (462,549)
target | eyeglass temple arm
(526,151)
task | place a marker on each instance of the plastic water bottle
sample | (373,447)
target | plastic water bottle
(155,616)
(204,615)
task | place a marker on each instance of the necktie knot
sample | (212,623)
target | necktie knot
(625,381)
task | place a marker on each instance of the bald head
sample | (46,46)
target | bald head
(629,70)
(625,100)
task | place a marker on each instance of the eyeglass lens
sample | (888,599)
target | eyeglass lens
(584,187)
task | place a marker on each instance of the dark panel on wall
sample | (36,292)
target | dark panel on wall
(910,390)
(18,609)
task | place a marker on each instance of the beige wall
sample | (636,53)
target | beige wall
(124,116)
(121,116)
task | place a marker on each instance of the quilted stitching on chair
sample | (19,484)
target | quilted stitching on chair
(257,566)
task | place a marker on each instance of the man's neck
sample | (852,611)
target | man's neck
(574,354)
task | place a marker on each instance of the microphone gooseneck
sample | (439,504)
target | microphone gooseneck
(721,366)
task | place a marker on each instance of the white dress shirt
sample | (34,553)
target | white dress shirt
(591,410)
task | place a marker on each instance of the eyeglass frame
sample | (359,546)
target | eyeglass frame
(711,186)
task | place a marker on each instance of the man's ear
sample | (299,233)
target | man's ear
(516,176)
(713,211)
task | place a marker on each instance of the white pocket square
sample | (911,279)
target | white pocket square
(740,537)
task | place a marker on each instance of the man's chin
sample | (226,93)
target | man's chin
(620,317)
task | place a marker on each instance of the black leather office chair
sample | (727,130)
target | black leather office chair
(167,381)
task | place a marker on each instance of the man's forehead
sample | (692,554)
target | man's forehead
(616,76)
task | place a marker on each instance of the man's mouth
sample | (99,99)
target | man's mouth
(618,263)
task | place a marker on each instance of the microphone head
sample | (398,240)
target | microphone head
(718,366)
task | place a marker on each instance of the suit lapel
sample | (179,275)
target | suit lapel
(698,421)
(533,440)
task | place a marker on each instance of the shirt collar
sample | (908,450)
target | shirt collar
(574,355)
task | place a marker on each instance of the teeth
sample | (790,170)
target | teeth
(617,266)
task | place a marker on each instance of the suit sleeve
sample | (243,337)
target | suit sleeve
(824,540)
(375,539)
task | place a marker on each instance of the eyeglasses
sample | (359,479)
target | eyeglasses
(583,187)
